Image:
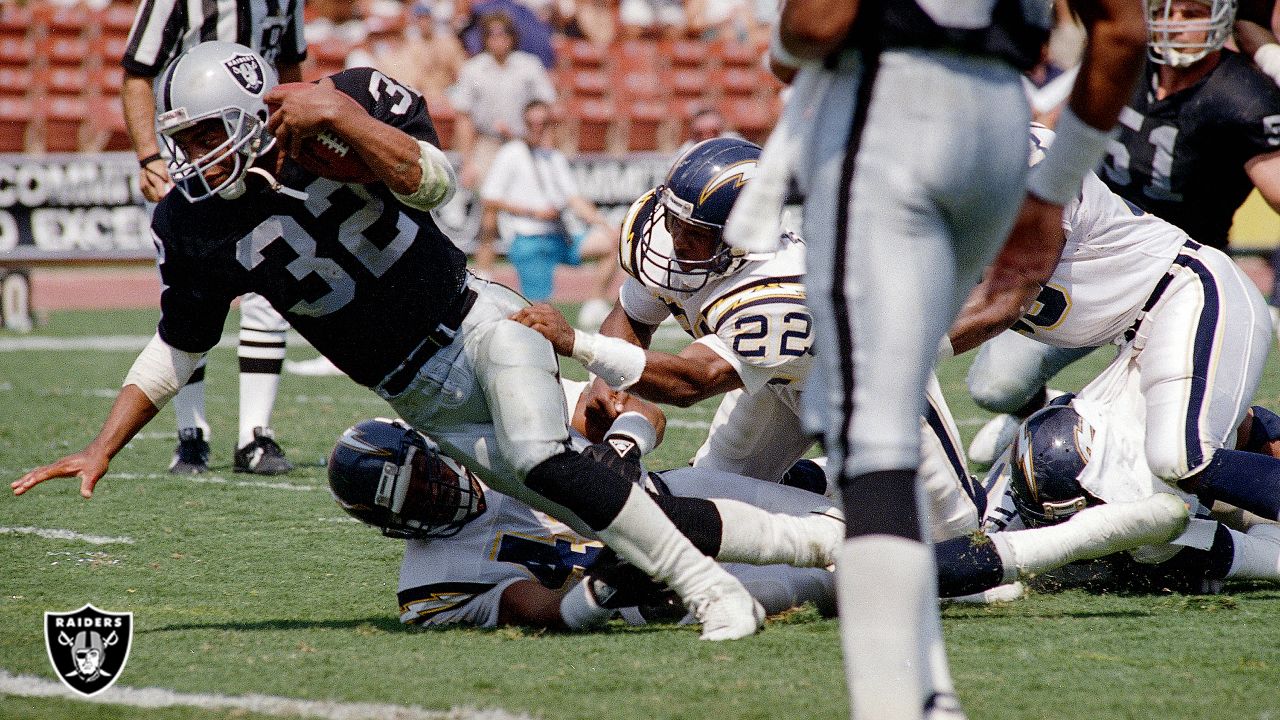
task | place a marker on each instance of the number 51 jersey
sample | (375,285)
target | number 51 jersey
(360,275)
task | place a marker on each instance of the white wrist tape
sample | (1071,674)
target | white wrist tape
(161,370)
(579,611)
(1077,150)
(780,54)
(438,183)
(616,361)
(635,427)
(1268,60)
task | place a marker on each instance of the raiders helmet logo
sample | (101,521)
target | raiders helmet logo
(247,71)
(88,647)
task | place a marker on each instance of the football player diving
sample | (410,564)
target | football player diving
(752,337)
(362,271)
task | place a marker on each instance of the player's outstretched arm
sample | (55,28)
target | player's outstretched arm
(131,411)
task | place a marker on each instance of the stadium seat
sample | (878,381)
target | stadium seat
(16,82)
(583,82)
(750,117)
(110,48)
(736,81)
(593,119)
(16,20)
(116,19)
(326,57)
(584,54)
(16,51)
(636,55)
(63,82)
(689,83)
(15,119)
(737,54)
(107,80)
(644,122)
(685,53)
(638,85)
(63,120)
(64,51)
(70,22)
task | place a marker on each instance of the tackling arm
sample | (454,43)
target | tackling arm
(1264,171)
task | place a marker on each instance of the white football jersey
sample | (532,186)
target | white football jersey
(460,579)
(754,316)
(1114,256)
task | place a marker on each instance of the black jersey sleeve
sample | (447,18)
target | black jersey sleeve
(1253,103)
(194,300)
(389,101)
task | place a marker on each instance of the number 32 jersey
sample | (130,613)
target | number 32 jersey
(360,275)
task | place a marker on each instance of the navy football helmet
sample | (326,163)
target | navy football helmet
(699,192)
(385,474)
(1049,452)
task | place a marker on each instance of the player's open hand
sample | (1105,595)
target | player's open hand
(87,465)
(600,407)
(551,323)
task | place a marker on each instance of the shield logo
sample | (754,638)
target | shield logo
(247,71)
(88,648)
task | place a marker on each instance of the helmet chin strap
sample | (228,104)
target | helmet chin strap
(271,180)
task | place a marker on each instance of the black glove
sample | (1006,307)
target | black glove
(615,583)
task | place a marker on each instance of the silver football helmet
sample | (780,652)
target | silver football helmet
(215,80)
(1181,32)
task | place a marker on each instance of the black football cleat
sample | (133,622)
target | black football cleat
(192,454)
(263,456)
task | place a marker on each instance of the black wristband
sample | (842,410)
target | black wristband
(150,159)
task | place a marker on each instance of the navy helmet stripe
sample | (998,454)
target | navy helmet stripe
(1202,355)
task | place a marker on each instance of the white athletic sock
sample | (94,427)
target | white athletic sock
(1256,553)
(758,537)
(885,587)
(1093,533)
(188,404)
(261,360)
(644,535)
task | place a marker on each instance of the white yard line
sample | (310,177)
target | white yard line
(32,686)
(60,534)
(107,343)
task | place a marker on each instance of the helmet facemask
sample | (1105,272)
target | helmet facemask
(661,263)
(246,139)
(1179,41)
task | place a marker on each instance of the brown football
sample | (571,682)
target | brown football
(329,155)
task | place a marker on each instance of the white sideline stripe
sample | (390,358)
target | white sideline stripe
(109,343)
(32,686)
(689,424)
(60,534)
(214,480)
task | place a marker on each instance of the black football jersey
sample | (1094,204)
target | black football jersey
(1182,158)
(360,275)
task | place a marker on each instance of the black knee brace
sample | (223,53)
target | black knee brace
(881,503)
(589,488)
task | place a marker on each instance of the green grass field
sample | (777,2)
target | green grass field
(242,585)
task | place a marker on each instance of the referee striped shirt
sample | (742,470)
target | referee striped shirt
(162,29)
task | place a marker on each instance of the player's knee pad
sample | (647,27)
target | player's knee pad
(1001,392)
(1169,463)
(512,344)
(590,489)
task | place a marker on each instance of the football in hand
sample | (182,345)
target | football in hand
(330,156)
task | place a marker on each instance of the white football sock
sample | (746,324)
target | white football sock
(885,586)
(1256,553)
(188,404)
(1093,533)
(264,351)
(645,536)
(758,537)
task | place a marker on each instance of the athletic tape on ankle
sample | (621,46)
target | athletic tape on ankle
(1075,151)
(616,361)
